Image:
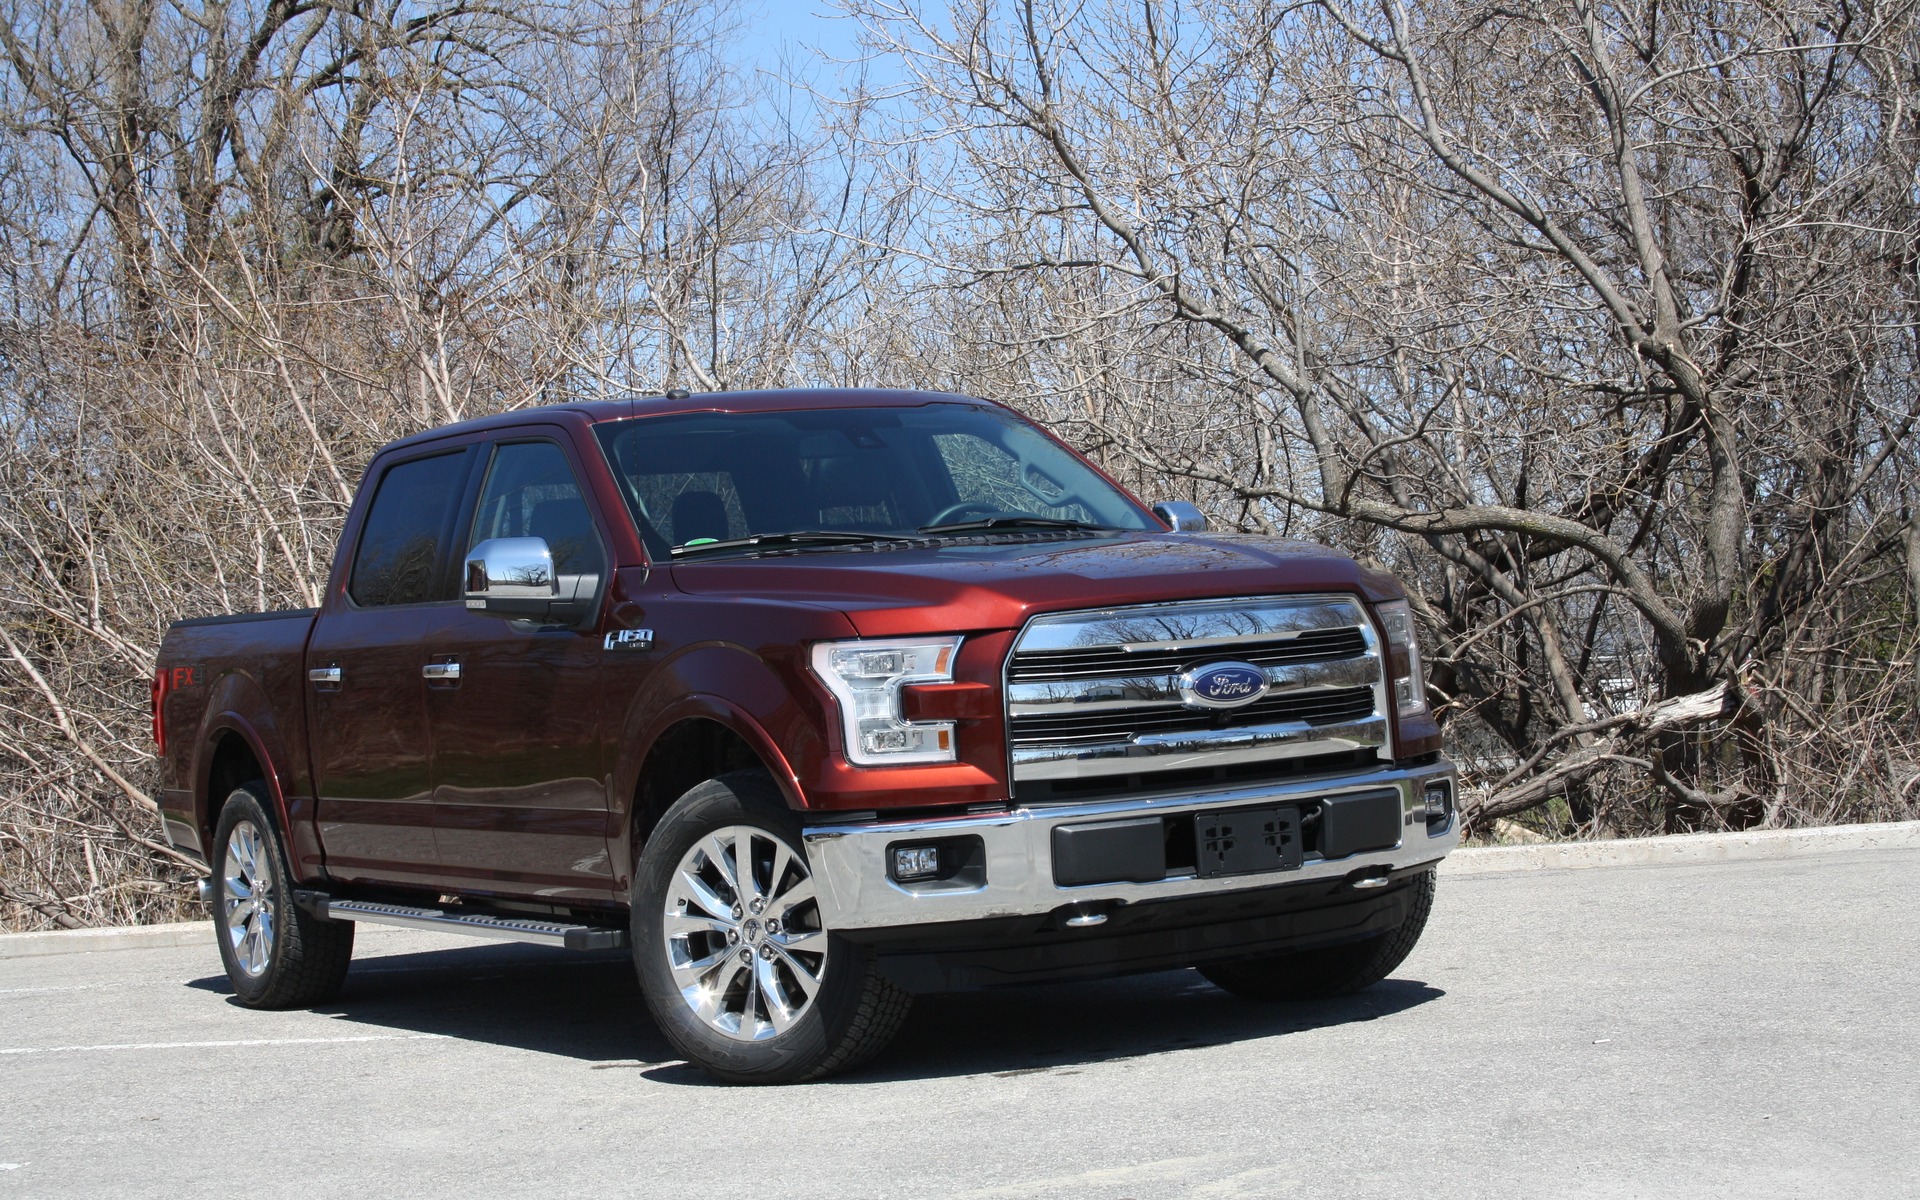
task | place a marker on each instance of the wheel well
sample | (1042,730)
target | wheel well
(686,755)
(233,765)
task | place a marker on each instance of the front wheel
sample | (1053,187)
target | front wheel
(276,954)
(735,962)
(1329,970)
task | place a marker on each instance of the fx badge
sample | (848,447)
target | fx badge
(630,639)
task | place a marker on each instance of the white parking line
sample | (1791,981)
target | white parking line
(313,1041)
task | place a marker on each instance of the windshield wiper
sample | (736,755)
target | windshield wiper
(798,537)
(1014,522)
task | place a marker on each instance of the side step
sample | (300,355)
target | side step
(512,929)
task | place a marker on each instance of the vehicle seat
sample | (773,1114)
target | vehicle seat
(699,515)
(853,495)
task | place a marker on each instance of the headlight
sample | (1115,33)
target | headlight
(866,678)
(1403,657)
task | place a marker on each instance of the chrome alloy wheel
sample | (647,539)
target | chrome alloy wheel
(246,886)
(743,934)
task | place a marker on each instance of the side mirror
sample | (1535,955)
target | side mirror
(1184,517)
(516,578)
(512,577)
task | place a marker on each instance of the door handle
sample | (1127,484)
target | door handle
(324,676)
(446,672)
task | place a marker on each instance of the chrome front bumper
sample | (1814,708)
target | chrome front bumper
(849,860)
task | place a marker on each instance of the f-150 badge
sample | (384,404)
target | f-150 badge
(630,639)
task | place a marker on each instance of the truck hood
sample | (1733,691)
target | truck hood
(998,584)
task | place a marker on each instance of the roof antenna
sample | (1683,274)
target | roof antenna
(678,393)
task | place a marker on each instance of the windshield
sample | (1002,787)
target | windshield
(700,478)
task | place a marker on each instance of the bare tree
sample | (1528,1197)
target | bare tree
(246,244)
(1596,322)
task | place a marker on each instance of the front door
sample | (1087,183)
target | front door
(366,710)
(519,785)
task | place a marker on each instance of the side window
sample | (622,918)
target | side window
(400,542)
(531,492)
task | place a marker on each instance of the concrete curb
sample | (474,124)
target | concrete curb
(122,937)
(1683,848)
(1473,860)
(137,937)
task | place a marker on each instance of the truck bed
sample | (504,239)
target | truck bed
(244,663)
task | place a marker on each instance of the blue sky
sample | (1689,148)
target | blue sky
(787,36)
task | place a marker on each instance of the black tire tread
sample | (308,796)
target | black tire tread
(883,1009)
(312,954)
(1332,970)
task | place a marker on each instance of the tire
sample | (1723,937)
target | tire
(803,1002)
(1330,970)
(277,955)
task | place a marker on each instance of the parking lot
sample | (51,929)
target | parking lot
(1736,1029)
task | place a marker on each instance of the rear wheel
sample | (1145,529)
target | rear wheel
(1329,970)
(276,954)
(736,964)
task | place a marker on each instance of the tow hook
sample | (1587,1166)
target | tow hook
(1084,917)
(1370,877)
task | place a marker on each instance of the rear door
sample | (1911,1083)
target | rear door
(366,716)
(520,789)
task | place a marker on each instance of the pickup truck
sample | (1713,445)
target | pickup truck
(815,699)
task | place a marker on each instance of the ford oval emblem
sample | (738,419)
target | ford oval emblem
(1222,685)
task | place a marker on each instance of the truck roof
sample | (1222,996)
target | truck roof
(769,400)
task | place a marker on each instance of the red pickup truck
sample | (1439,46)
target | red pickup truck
(814,699)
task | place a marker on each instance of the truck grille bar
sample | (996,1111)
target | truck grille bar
(1095,662)
(1099,694)
(1313,708)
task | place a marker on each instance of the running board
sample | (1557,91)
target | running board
(512,929)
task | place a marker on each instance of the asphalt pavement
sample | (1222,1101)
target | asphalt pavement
(1736,1029)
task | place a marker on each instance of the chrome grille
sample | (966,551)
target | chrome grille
(1344,704)
(1098,693)
(1091,663)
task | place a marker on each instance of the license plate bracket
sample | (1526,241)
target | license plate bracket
(1245,841)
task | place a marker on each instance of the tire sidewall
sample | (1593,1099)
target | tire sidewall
(246,803)
(736,799)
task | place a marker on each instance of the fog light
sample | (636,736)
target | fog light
(1439,798)
(915,862)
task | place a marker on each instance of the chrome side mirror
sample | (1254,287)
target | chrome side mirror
(1181,516)
(512,577)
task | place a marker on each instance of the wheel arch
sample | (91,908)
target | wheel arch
(703,738)
(233,753)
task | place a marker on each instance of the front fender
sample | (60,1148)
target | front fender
(729,685)
(726,684)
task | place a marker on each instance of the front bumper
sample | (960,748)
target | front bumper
(1014,874)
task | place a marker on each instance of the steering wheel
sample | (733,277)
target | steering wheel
(953,512)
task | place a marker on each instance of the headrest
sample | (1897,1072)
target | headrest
(698,515)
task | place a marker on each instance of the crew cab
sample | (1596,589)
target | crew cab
(815,699)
